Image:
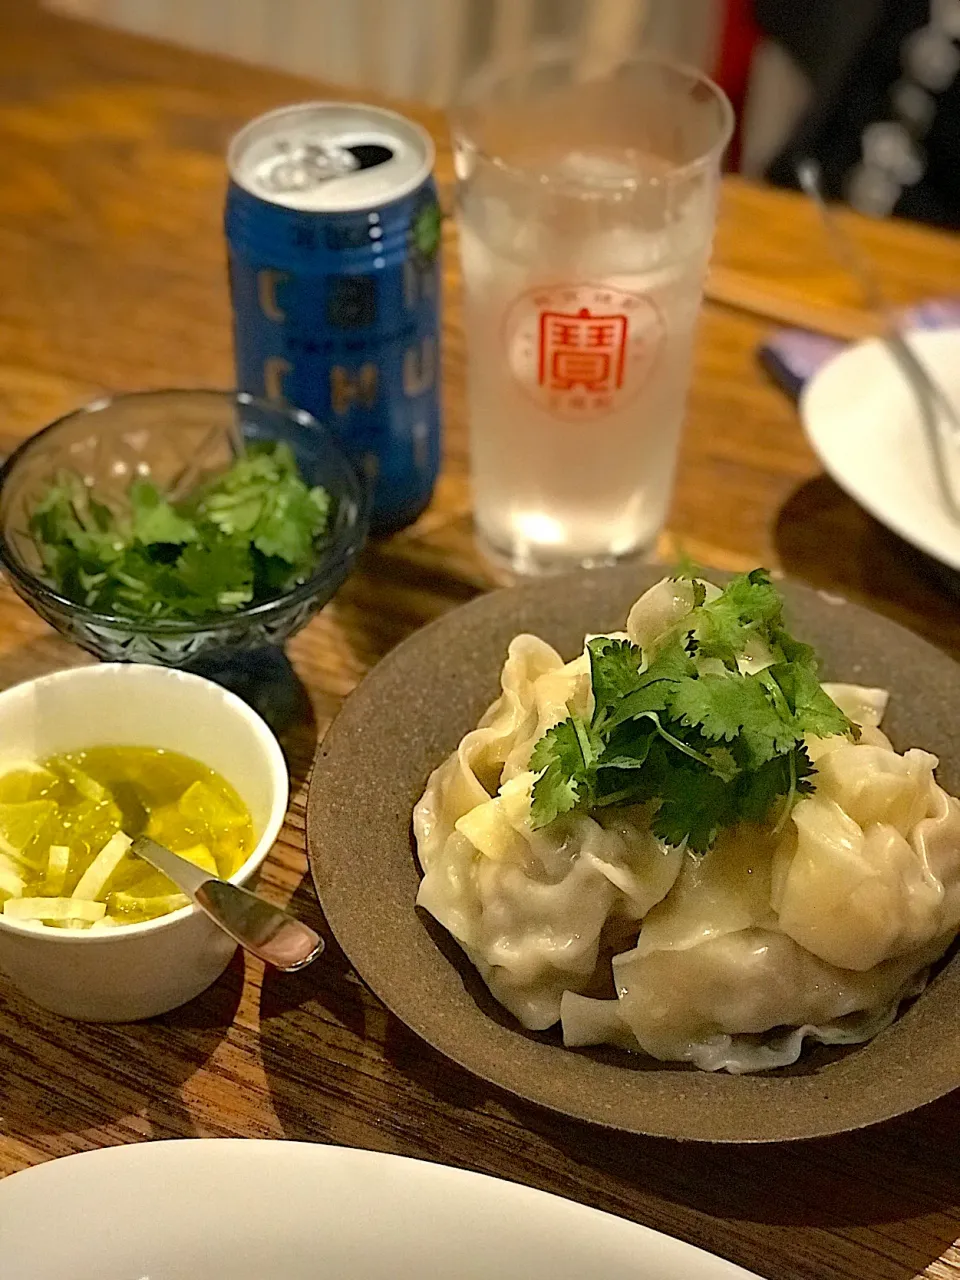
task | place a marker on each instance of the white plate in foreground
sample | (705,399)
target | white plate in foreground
(864,424)
(237,1209)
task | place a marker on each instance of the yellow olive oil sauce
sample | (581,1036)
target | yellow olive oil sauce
(57,816)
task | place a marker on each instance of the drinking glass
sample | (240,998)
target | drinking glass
(586,208)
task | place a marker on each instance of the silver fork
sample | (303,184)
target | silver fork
(933,402)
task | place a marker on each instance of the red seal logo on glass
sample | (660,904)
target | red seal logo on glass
(582,350)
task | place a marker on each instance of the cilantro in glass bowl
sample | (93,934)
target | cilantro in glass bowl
(176,526)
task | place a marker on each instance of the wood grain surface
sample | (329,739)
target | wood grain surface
(111,188)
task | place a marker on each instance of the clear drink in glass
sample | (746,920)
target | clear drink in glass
(586,207)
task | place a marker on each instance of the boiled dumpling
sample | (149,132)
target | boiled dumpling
(852,881)
(936,839)
(710,1003)
(876,785)
(714,895)
(472,773)
(864,705)
(555,694)
(530,907)
(496,827)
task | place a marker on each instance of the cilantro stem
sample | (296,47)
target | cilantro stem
(586,749)
(776,693)
(789,798)
(675,742)
(615,797)
(587,754)
(82,513)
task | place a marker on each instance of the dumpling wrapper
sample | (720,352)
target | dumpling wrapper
(865,872)
(537,688)
(715,1004)
(531,908)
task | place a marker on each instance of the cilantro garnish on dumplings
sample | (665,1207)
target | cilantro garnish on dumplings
(689,727)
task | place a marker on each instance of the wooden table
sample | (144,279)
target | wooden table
(111,189)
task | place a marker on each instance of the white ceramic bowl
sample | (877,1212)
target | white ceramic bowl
(137,970)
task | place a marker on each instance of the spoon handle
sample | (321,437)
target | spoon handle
(261,928)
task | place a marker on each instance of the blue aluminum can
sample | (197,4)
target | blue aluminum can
(333,236)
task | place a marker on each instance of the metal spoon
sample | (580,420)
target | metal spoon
(267,931)
(932,400)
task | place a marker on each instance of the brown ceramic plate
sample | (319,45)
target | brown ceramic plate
(414,708)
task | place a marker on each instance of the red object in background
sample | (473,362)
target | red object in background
(738,39)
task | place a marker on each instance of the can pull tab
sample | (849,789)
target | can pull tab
(304,166)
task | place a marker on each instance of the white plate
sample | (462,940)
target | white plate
(864,424)
(235,1209)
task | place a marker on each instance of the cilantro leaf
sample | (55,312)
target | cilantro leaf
(614,667)
(621,781)
(760,788)
(714,703)
(795,651)
(654,686)
(748,603)
(219,570)
(686,569)
(286,525)
(815,711)
(671,662)
(154,520)
(69,528)
(627,746)
(766,731)
(750,599)
(735,706)
(646,700)
(722,762)
(563,757)
(780,779)
(694,805)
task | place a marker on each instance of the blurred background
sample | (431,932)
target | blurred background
(413,49)
(869,87)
